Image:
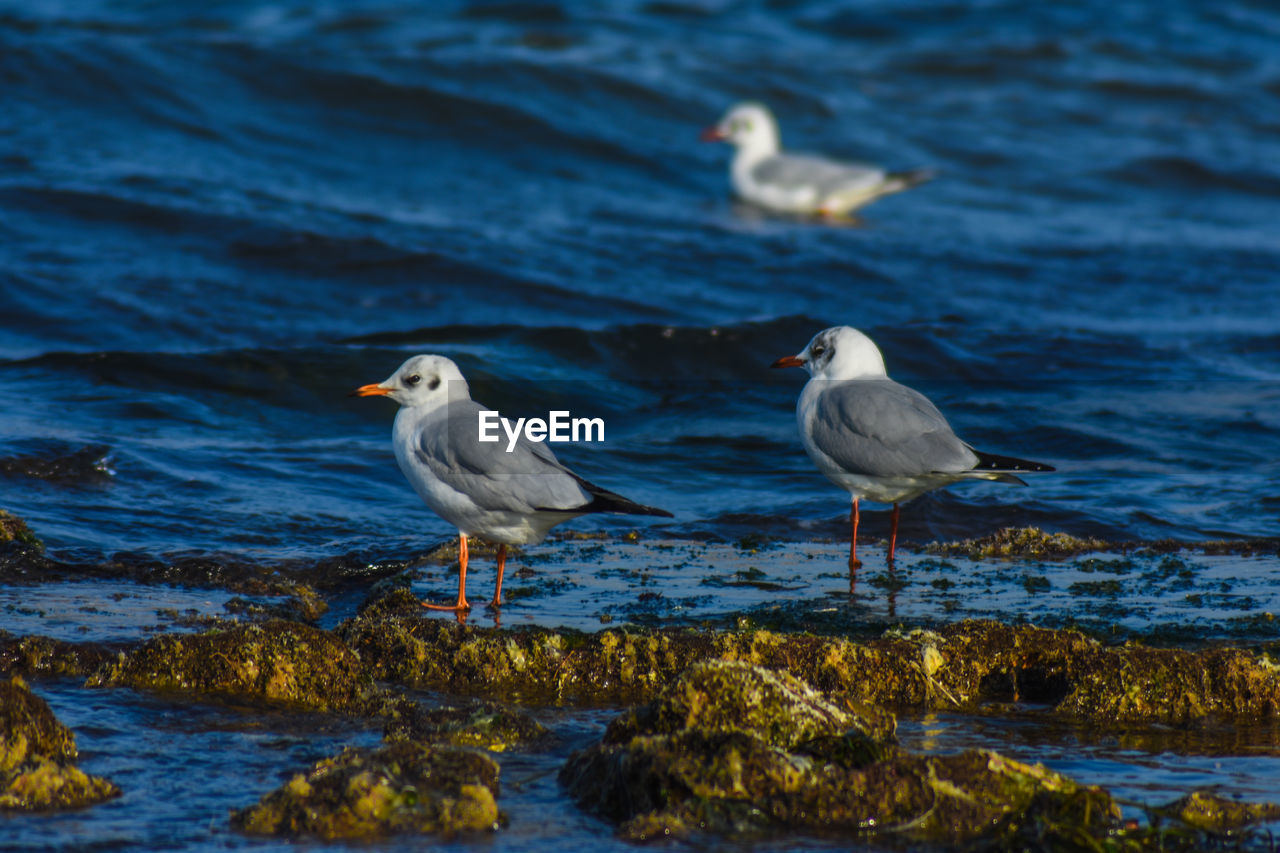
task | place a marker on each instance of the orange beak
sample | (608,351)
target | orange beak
(374,390)
(712,134)
(789,361)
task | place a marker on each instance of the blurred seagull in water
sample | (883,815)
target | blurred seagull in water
(511,498)
(880,440)
(798,183)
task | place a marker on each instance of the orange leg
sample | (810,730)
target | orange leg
(893,533)
(854,562)
(502,564)
(462,580)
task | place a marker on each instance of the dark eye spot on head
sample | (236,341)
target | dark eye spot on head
(413,380)
(819,349)
(434,383)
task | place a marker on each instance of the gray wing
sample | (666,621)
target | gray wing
(528,478)
(796,170)
(879,428)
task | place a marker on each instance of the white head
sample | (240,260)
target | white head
(424,381)
(841,352)
(750,127)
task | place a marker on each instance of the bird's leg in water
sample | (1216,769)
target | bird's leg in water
(893,532)
(462,580)
(854,562)
(502,563)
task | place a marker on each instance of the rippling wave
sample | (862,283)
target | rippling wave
(216,224)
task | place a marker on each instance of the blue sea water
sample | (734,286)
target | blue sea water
(216,220)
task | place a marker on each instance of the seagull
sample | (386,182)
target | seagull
(512,498)
(798,183)
(876,438)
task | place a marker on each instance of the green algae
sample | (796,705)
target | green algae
(404,787)
(735,749)
(1206,811)
(486,725)
(14,529)
(44,656)
(274,662)
(37,757)
(958,666)
(722,697)
(1019,542)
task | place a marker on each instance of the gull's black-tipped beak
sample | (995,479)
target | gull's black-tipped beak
(712,134)
(373,390)
(789,361)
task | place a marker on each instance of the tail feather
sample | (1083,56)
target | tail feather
(898,181)
(603,500)
(995,462)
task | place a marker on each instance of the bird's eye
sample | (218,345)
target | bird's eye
(819,349)
(434,383)
(413,380)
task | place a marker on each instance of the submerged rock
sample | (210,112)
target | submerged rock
(484,725)
(405,787)
(37,757)
(735,749)
(278,662)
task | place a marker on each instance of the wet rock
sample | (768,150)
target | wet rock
(490,726)
(37,757)
(1019,542)
(405,787)
(44,656)
(274,662)
(1207,811)
(302,603)
(14,529)
(735,749)
(722,697)
(534,666)
(55,462)
(1083,679)
(398,602)
(959,666)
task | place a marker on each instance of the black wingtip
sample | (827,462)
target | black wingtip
(995,462)
(603,500)
(913,177)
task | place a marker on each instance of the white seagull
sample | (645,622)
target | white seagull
(510,498)
(877,439)
(798,183)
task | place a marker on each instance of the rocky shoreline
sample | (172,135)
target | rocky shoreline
(737,732)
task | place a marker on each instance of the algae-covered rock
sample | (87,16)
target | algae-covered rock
(484,725)
(532,665)
(957,666)
(37,755)
(405,787)
(716,753)
(1029,542)
(279,662)
(1211,813)
(14,529)
(36,655)
(721,697)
